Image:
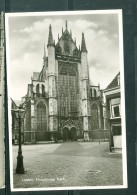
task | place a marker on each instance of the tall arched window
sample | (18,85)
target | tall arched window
(68,90)
(63,71)
(37,90)
(95,93)
(73,92)
(72,72)
(43,90)
(90,92)
(94,117)
(41,117)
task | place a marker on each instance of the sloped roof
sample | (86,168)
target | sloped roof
(66,45)
(16,102)
(35,75)
(114,82)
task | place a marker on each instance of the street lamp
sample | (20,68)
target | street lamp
(20,114)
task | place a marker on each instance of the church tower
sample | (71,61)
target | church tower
(60,93)
(53,121)
(85,88)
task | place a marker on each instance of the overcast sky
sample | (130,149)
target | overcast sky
(27,35)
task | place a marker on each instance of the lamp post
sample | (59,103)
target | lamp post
(20,114)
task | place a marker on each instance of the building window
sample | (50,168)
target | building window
(41,117)
(63,71)
(95,93)
(90,92)
(43,90)
(68,90)
(94,117)
(37,90)
(116,130)
(115,111)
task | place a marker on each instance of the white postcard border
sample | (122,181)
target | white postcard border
(123,118)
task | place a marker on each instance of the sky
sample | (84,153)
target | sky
(28,34)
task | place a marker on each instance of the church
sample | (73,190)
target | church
(61,102)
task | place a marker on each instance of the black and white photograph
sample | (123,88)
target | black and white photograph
(66,100)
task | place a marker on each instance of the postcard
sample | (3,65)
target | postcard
(66,100)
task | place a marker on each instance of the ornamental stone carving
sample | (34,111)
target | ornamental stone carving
(72,123)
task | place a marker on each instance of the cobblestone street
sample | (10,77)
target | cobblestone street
(68,164)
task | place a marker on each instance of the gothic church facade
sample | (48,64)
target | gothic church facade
(61,103)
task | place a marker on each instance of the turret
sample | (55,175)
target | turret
(84,61)
(75,41)
(52,86)
(70,33)
(51,53)
(50,38)
(62,30)
(85,88)
(44,56)
(83,44)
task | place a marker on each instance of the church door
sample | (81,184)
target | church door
(66,134)
(73,134)
(117,136)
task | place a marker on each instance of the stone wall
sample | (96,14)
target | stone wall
(102,135)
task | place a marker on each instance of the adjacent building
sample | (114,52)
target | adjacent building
(99,130)
(113,108)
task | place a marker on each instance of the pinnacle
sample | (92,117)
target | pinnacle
(83,44)
(44,51)
(50,38)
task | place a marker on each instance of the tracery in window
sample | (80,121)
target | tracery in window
(41,117)
(95,93)
(68,89)
(94,117)
(43,90)
(37,90)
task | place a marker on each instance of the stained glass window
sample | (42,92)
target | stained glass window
(68,90)
(95,93)
(43,90)
(41,117)
(94,117)
(37,90)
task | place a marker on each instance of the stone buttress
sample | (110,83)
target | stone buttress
(53,120)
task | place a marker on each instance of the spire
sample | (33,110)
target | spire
(66,25)
(50,39)
(62,30)
(58,36)
(70,33)
(83,44)
(75,40)
(44,52)
(79,47)
(44,56)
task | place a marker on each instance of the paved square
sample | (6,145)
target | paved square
(68,164)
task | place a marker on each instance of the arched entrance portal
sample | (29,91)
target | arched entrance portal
(73,134)
(65,134)
(69,135)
